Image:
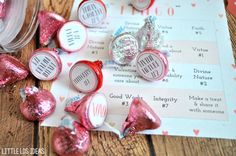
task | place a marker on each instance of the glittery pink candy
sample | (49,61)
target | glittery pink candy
(66,142)
(3,7)
(11,70)
(49,23)
(141,117)
(38,104)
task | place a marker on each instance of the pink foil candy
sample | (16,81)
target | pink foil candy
(49,23)
(66,142)
(11,70)
(141,117)
(3,6)
(91,110)
(37,104)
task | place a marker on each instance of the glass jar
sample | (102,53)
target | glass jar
(19,24)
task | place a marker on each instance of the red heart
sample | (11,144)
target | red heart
(165,133)
(193,4)
(196,131)
(62,98)
(69,64)
(234,66)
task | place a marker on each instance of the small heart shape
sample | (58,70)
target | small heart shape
(62,98)
(234,66)
(112,124)
(234,78)
(69,64)
(165,133)
(235,111)
(196,131)
(221,15)
(193,4)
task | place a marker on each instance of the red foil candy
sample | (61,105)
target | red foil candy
(141,117)
(49,23)
(86,76)
(232,7)
(12,70)
(38,104)
(142,5)
(66,142)
(91,110)
(3,7)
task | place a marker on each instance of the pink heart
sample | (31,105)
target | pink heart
(235,111)
(69,64)
(235,79)
(196,131)
(62,98)
(193,4)
(234,66)
(165,133)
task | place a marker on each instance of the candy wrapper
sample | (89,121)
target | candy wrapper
(141,117)
(12,70)
(49,23)
(66,142)
(91,110)
(3,8)
(37,104)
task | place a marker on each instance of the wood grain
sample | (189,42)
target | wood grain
(15,131)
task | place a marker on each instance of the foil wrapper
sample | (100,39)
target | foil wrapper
(124,48)
(45,64)
(148,36)
(49,23)
(66,142)
(141,117)
(37,104)
(142,5)
(86,76)
(3,8)
(91,110)
(12,70)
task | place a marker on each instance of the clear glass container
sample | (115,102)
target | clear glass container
(19,25)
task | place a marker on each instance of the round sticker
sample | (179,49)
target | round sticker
(152,65)
(142,4)
(124,48)
(97,111)
(85,77)
(45,65)
(72,36)
(91,13)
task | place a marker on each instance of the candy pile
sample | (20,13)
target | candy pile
(86,76)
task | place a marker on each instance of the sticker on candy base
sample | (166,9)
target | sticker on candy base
(45,64)
(72,36)
(152,65)
(142,5)
(86,76)
(91,13)
(91,110)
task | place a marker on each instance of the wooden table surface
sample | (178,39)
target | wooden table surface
(15,132)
